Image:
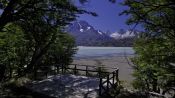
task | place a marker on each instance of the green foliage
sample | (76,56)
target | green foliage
(18,49)
(155,48)
(54,12)
(31,36)
(41,22)
(152,63)
(41,41)
(13,50)
(61,51)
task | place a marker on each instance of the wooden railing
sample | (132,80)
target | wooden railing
(110,82)
(108,76)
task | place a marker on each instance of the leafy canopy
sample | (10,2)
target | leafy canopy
(155,48)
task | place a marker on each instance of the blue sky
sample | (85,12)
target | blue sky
(108,15)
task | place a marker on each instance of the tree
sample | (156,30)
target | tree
(14,52)
(40,24)
(155,49)
(22,10)
(61,51)
(18,49)
(151,66)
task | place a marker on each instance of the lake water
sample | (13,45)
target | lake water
(86,52)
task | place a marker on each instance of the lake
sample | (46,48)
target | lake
(86,52)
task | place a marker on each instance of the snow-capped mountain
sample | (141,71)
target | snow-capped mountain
(122,34)
(87,35)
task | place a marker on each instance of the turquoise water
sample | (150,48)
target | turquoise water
(103,51)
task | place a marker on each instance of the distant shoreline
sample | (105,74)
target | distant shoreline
(105,46)
(94,57)
(93,52)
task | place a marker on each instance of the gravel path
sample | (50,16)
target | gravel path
(67,86)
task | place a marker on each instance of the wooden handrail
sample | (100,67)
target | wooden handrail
(95,66)
(106,81)
(86,70)
(89,66)
(104,85)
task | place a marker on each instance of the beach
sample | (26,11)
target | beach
(122,62)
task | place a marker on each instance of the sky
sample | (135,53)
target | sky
(108,15)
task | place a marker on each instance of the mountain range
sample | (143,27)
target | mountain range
(86,35)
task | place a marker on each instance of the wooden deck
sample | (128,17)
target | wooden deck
(76,81)
(67,86)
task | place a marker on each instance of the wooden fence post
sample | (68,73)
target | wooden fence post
(117,80)
(107,83)
(75,69)
(113,77)
(100,87)
(86,70)
(54,69)
(58,69)
(62,68)
(100,72)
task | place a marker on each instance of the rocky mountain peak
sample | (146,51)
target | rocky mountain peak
(86,35)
